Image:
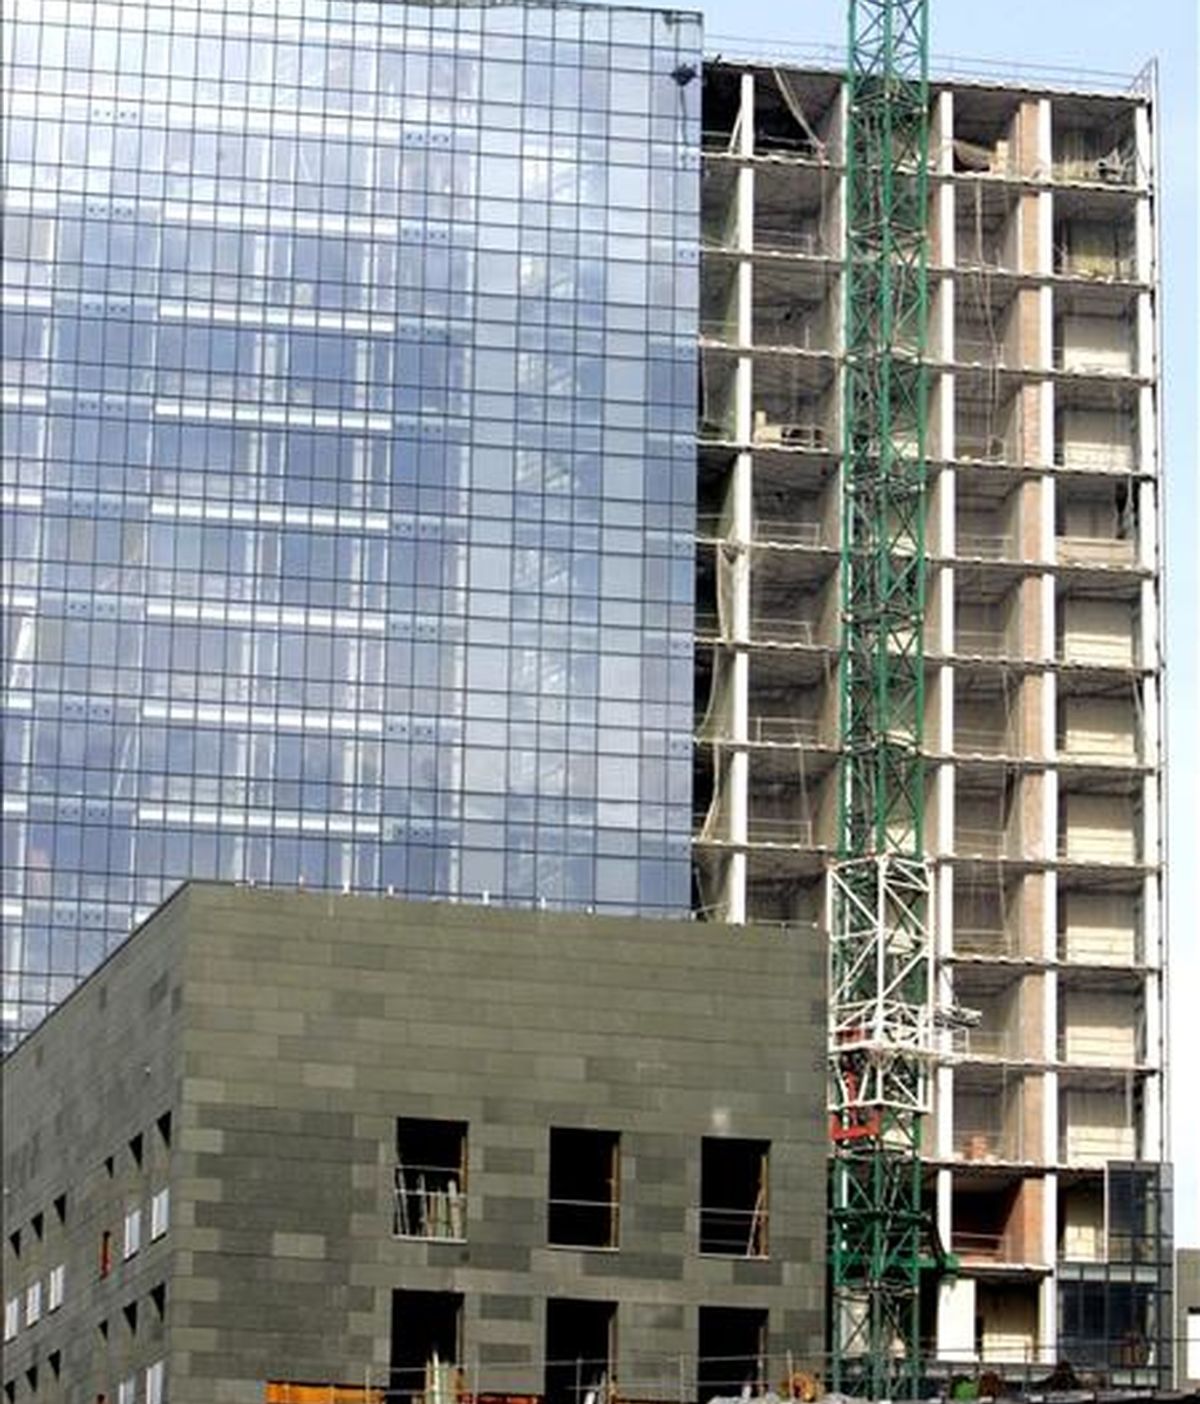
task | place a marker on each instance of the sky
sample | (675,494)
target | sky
(1114,37)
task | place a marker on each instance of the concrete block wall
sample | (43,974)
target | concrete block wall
(305,1024)
(102,1072)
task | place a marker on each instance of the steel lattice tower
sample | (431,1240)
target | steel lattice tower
(880,889)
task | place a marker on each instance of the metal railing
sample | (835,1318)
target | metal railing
(1120,849)
(765,530)
(728,1231)
(986,1247)
(1012,1367)
(945,68)
(984,448)
(428,1202)
(787,730)
(583,1223)
(789,239)
(984,546)
(1095,550)
(990,1142)
(982,741)
(981,643)
(779,830)
(983,1043)
(984,941)
(978,350)
(1094,458)
(762,630)
(794,531)
(994,841)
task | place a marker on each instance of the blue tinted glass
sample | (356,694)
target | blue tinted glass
(348,460)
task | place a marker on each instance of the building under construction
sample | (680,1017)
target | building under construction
(374,377)
(1042,708)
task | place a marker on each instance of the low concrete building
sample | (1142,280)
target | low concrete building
(294,1137)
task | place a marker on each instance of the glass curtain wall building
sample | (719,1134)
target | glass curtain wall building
(349,365)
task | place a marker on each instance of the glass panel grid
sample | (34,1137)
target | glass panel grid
(348,382)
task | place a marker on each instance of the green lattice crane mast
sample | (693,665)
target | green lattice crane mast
(880,904)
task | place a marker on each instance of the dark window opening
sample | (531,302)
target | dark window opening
(109,1166)
(579,1351)
(426,1345)
(158,1296)
(102,1328)
(54,1360)
(584,1188)
(136,1148)
(60,1208)
(731,1352)
(31,1378)
(106,1252)
(130,1312)
(14,1242)
(39,1226)
(164,1129)
(10,1390)
(733,1197)
(430,1179)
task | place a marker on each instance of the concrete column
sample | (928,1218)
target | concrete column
(736,547)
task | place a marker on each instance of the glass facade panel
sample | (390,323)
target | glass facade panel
(348,380)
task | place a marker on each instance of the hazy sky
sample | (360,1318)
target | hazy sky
(1104,35)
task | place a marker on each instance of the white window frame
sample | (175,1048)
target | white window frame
(160,1213)
(12,1317)
(132,1240)
(33,1303)
(154,1382)
(127,1390)
(55,1287)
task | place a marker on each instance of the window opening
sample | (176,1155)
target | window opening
(54,1360)
(136,1147)
(164,1129)
(55,1287)
(160,1210)
(584,1188)
(430,1179)
(158,1296)
(133,1232)
(39,1226)
(106,1250)
(130,1312)
(60,1208)
(579,1351)
(733,1197)
(731,1352)
(425,1346)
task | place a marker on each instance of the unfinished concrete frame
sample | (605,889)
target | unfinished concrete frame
(1043,631)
